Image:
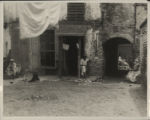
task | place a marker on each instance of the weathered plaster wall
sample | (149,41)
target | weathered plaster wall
(96,60)
(141,14)
(19,48)
(24,51)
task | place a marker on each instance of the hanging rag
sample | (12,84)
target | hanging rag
(77,44)
(65,46)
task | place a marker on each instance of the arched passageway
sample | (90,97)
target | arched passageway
(113,49)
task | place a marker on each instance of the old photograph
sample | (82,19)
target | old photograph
(75,59)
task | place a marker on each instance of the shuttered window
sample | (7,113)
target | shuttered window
(47,43)
(76,11)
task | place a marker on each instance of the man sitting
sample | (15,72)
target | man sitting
(11,69)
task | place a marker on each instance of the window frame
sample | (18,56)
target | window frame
(52,51)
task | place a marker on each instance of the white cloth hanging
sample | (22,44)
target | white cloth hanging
(35,17)
(65,46)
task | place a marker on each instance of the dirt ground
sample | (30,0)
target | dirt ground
(61,97)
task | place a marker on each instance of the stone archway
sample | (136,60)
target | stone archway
(114,47)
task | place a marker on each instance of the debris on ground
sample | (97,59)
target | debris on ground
(90,80)
(79,80)
(11,82)
(35,77)
(59,98)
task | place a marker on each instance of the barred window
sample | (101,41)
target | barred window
(47,50)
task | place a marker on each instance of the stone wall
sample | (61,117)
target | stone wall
(141,15)
(95,66)
(143,48)
(118,21)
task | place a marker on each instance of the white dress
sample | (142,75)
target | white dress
(83,64)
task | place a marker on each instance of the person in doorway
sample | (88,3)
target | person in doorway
(123,63)
(11,69)
(83,65)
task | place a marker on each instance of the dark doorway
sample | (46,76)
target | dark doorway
(71,54)
(111,54)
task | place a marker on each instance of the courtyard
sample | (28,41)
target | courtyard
(52,96)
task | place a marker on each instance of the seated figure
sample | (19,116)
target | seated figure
(11,69)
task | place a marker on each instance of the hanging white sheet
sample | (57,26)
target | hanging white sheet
(65,46)
(35,17)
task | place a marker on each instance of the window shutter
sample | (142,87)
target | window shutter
(76,11)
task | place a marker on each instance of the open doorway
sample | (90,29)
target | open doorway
(113,49)
(73,50)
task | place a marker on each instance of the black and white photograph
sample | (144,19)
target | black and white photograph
(63,58)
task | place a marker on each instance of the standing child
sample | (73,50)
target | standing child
(83,65)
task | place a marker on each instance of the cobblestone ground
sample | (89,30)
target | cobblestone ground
(113,97)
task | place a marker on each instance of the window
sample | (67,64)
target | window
(76,11)
(47,42)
